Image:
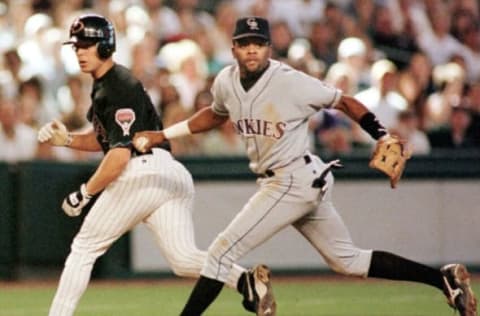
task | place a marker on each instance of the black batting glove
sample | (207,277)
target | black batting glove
(74,202)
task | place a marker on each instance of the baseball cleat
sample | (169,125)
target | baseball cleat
(258,294)
(456,287)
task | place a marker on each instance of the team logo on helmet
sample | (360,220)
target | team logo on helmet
(252,23)
(77,27)
(125,118)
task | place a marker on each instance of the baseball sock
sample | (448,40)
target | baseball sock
(241,283)
(203,294)
(390,266)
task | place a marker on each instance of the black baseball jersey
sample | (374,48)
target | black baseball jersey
(120,108)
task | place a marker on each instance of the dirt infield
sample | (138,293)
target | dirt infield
(172,281)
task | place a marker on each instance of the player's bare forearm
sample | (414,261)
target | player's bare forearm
(110,168)
(360,114)
(351,107)
(205,120)
(85,141)
(145,140)
(201,121)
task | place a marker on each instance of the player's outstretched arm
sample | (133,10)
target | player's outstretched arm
(391,153)
(203,120)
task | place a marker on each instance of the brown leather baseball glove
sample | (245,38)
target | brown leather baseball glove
(390,157)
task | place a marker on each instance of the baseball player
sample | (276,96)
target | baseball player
(269,104)
(132,187)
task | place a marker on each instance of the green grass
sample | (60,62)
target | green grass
(322,297)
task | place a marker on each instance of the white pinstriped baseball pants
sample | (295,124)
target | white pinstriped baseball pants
(154,189)
(282,200)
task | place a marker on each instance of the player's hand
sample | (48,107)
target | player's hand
(144,141)
(55,133)
(74,202)
(390,157)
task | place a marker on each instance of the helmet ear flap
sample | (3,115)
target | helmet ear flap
(104,50)
(106,46)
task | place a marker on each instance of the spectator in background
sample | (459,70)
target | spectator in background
(126,33)
(300,57)
(352,52)
(10,77)
(225,17)
(450,80)
(362,11)
(434,38)
(188,67)
(331,129)
(454,134)
(471,38)
(34,108)
(75,101)
(395,46)
(7,33)
(407,128)
(144,60)
(340,76)
(18,141)
(282,38)
(416,84)
(383,98)
(332,133)
(172,112)
(161,79)
(39,50)
(298,14)
(323,43)
(190,17)
(170,106)
(335,16)
(164,20)
(472,98)
(204,41)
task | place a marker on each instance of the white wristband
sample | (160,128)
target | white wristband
(69,140)
(177,130)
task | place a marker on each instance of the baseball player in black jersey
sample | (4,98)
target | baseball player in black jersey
(269,104)
(132,187)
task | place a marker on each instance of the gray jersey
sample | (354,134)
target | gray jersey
(272,123)
(272,118)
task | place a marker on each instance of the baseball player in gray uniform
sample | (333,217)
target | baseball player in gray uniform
(132,187)
(269,104)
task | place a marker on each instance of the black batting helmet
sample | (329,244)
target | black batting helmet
(93,28)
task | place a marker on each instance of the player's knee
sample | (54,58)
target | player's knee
(355,263)
(80,259)
(189,264)
(220,258)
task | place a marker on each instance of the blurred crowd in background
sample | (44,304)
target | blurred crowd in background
(414,63)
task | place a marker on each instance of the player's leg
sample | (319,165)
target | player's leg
(326,231)
(172,225)
(264,215)
(111,216)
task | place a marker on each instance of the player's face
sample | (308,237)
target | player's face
(252,54)
(88,59)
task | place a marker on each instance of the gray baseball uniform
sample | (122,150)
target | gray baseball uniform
(272,118)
